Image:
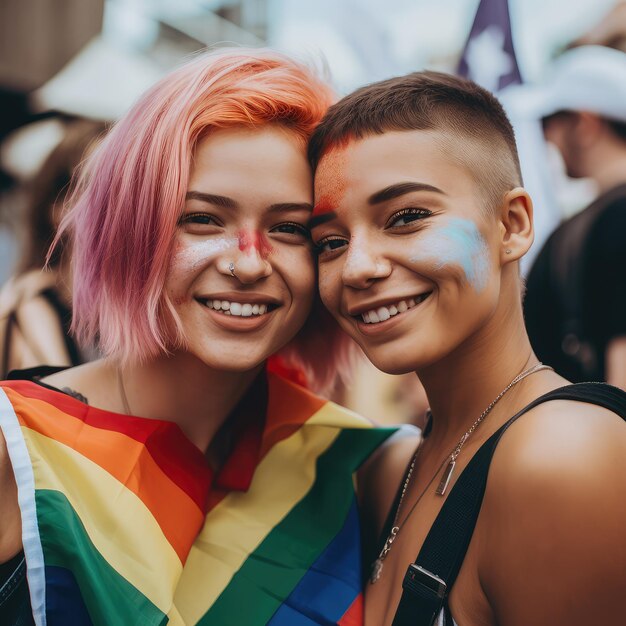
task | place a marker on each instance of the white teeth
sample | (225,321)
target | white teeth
(383,313)
(237,308)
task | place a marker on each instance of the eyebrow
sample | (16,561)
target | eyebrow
(228,203)
(209,198)
(322,218)
(400,189)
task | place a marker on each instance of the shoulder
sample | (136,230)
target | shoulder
(608,227)
(553,516)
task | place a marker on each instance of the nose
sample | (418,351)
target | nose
(364,265)
(247,266)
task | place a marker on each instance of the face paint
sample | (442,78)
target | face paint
(254,240)
(458,243)
(191,255)
(331,176)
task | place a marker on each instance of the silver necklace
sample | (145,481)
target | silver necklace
(377,566)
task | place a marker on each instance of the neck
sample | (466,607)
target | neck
(463,384)
(181,389)
(608,168)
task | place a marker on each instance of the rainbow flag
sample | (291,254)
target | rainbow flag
(124,523)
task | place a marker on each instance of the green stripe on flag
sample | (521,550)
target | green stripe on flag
(108,596)
(286,554)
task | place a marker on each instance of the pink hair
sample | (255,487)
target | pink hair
(131,193)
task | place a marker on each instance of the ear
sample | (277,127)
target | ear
(516,225)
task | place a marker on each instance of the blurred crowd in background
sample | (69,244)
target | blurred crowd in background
(70,68)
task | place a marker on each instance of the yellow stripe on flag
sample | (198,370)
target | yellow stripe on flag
(119,525)
(237,525)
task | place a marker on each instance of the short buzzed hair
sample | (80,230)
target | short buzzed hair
(479,134)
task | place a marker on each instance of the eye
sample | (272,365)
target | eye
(203,219)
(407,217)
(292,231)
(329,245)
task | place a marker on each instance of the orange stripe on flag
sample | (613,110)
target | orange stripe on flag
(125,459)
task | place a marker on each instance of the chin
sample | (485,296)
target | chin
(389,362)
(396,360)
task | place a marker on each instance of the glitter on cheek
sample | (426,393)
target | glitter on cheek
(458,243)
(189,256)
(254,240)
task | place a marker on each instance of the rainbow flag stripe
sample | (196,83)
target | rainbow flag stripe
(124,523)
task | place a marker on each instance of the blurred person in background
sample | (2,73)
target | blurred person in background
(231,500)
(35,304)
(575,303)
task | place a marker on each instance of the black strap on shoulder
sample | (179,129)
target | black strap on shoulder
(429,580)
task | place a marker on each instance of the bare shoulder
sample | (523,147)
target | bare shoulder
(379,478)
(562,440)
(555,516)
(91,380)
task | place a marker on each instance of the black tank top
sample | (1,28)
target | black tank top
(444,548)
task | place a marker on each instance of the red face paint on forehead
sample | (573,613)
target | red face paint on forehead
(254,240)
(331,181)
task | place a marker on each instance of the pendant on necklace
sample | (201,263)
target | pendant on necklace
(377,568)
(445,479)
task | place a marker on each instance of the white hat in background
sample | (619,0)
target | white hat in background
(587,78)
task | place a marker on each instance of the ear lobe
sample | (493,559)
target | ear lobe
(516,225)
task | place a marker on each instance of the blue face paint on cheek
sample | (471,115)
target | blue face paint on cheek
(457,243)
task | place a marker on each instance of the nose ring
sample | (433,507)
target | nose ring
(231,269)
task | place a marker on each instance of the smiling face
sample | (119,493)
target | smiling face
(248,202)
(409,259)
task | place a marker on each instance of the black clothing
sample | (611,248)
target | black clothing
(586,272)
(447,541)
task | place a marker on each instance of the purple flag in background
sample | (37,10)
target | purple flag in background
(489,56)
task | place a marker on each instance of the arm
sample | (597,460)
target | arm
(555,522)
(615,362)
(10,521)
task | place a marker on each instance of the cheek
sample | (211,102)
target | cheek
(190,257)
(330,284)
(456,248)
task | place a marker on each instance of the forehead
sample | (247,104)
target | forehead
(238,161)
(363,166)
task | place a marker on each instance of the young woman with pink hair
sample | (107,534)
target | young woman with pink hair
(187,477)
